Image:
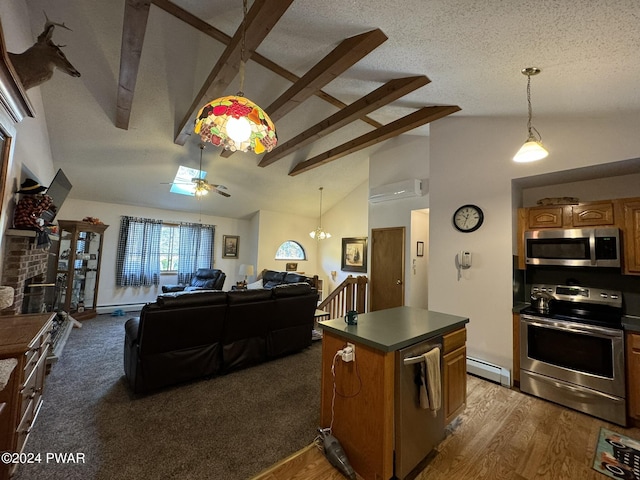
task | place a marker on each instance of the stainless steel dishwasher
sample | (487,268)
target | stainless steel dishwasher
(417,431)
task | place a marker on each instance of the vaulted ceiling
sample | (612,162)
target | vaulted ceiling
(337,77)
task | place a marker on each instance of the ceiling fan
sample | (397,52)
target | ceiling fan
(201,185)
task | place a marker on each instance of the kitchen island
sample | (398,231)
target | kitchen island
(374,412)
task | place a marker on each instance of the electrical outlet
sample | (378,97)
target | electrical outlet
(349,354)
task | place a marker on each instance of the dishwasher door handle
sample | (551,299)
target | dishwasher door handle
(417,359)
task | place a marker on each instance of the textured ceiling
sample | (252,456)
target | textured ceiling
(471,50)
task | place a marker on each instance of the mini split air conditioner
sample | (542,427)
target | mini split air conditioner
(394,191)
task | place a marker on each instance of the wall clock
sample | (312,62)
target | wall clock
(468,218)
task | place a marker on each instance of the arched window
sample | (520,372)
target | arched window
(290,250)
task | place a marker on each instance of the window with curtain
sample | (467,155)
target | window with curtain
(138,255)
(142,250)
(195,249)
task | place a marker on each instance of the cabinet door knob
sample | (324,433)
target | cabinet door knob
(398,282)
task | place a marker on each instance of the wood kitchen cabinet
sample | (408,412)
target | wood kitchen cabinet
(545,217)
(632,341)
(592,215)
(454,370)
(631,238)
(25,338)
(623,213)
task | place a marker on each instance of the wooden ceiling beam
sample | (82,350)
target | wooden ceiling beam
(222,37)
(345,55)
(136,14)
(387,93)
(414,120)
(260,20)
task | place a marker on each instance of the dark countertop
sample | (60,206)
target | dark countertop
(518,306)
(395,328)
(631,323)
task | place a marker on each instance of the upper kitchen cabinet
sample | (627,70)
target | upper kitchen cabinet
(631,236)
(623,213)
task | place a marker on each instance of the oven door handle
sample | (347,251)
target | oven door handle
(576,328)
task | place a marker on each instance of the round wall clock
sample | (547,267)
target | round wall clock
(468,218)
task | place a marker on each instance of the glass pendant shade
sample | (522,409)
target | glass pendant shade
(236,123)
(531,151)
(319,233)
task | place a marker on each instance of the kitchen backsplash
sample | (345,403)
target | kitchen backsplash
(606,278)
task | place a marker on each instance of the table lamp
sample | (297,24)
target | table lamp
(246,270)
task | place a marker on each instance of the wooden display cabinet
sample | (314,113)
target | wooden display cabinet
(78,267)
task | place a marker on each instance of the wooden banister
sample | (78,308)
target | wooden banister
(351,294)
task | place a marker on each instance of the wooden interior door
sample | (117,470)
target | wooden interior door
(387,268)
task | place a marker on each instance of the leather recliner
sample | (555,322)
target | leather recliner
(204,279)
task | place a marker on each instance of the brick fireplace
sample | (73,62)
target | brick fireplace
(23,261)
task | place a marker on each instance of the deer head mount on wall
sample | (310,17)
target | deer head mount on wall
(35,65)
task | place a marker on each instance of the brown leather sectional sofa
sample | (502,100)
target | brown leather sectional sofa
(184,336)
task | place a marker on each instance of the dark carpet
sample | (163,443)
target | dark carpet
(229,427)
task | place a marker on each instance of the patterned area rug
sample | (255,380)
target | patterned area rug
(617,456)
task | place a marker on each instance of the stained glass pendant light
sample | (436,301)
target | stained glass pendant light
(532,149)
(319,233)
(235,122)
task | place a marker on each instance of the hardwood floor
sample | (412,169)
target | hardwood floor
(501,435)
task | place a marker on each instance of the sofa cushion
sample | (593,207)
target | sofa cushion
(273,276)
(191,298)
(255,285)
(292,289)
(245,296)
(295,278)
(131,328)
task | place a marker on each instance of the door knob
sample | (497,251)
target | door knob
(398,282)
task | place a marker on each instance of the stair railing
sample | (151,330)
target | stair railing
(351,294)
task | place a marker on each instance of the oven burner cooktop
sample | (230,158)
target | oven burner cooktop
(587,305)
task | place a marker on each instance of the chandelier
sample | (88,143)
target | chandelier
(532,149)
(319,233)
(235,122)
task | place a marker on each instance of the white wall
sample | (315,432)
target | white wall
(346,219)
(586,191)
(276,228)
(419,270)
(470,162)
(109,293)
(401,158)
(30,153)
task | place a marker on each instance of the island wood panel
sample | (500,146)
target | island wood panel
(516,350)
(633,377)
(455,383)
(364,406)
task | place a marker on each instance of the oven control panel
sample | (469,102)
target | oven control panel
(574,293)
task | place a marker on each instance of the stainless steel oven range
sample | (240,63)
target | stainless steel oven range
(572,352)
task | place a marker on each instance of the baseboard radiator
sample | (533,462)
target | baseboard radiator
(489,371)
(129,307)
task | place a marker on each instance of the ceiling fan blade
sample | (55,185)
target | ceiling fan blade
(224,194)
(222,187)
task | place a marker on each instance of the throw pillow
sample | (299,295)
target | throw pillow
(255,285)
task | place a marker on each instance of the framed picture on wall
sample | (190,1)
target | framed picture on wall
(291,267)
(230,245)
(354,254)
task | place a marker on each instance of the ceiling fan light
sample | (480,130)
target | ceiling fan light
(531,151)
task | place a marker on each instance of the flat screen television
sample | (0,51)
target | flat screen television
(58,191)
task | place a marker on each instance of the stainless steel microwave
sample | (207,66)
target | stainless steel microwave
(573,247)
